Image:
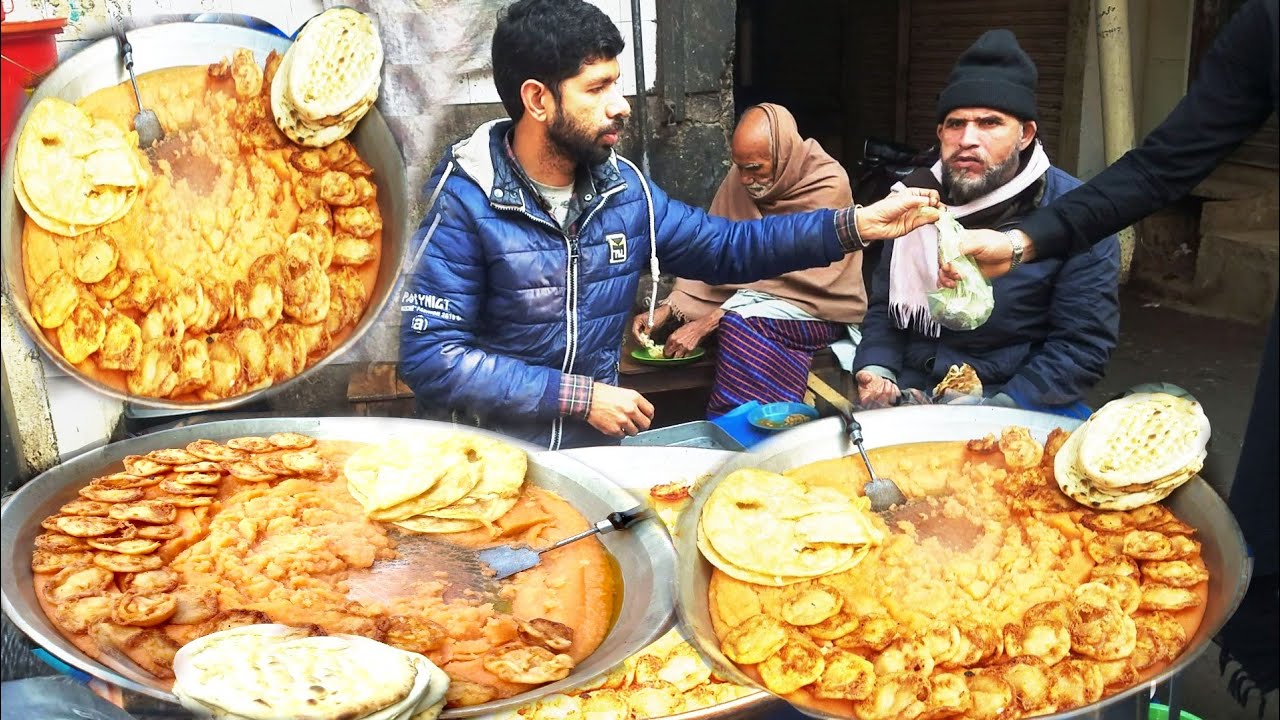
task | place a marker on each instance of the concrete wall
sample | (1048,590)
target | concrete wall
(1160,32)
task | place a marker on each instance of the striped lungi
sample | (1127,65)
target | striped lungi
(766,360)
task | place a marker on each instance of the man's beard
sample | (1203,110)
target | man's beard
(960,188)
(580,144)
(758,190)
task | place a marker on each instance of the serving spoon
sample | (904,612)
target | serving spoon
(507,560)
(881,491)
(145,123)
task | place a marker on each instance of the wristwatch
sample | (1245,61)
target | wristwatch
(1015,240)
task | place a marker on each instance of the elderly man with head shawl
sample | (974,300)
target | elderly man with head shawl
(769,330)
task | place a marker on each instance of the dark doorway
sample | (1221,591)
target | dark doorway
(832,63)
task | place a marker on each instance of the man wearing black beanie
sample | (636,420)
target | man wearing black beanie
(994,72)
(1054,325)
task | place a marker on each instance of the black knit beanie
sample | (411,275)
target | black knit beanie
(993,73)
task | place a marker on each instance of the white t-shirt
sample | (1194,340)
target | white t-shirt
(558,198)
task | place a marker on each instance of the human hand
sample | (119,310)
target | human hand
(898,214)
(688,337)
(991,250)
(875,391)
(640,323)
(618,412)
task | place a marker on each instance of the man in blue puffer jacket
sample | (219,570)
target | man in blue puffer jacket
(528,260)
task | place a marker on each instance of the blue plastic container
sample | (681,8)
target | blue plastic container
(781,416)
(735,423)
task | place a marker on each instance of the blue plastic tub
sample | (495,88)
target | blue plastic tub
(781,416)
(735,423)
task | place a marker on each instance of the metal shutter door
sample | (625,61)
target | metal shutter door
(942,29)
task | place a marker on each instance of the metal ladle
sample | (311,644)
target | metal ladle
(145,123)
(882,492)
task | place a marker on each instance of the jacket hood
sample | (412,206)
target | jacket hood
(484,159)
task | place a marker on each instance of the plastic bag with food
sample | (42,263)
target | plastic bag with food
(970,302)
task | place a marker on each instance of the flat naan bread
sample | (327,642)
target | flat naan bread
(1079,487)
(1141,439)
(265,672)
(763,527)
(442,484)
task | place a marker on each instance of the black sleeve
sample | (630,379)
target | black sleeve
(1229,100)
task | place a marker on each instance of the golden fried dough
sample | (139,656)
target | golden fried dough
(87,508)
(210,450)
(123,562)
(754,640)
(55,301)
(142,610)
(846,676)
(87,527)
(82,333)
(121,344)
(249,471)
(349,250)
(811,605)
(337,188)
(77,581)
(111,285)
(96,257)
(125,546)
(59,543)
(80,615)
(797,663)
(149,581)
(519,663)
(165,532)
(291,440)
(47,561)
(140,294)
(358,221)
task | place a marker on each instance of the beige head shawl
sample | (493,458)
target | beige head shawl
(805,178)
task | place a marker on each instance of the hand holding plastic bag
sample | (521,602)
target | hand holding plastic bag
(967,305)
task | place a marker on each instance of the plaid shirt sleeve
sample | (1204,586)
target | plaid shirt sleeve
(575,396)
(847,229)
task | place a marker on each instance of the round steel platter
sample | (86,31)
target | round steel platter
(181,44)
(1195,503)
(644,553)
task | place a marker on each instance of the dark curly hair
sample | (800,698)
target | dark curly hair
(548,41)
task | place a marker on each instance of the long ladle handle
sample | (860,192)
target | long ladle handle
(615,521)
(855,436)
(127,50)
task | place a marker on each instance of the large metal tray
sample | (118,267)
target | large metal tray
(701,434)
(644,553)
(174,45)
(1222,545)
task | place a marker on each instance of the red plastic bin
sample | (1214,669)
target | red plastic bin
(29,51)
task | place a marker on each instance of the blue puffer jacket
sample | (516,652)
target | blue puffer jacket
(501,304)
(1045,345)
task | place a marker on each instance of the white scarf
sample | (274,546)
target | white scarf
(913,270)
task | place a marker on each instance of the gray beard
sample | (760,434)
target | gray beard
(960,189)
